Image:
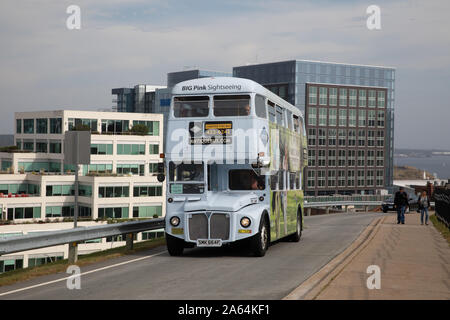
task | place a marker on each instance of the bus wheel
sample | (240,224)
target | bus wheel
(298,232)
(175,246)
(260,242)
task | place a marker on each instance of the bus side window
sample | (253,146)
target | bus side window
(274,181)
(296,124)
(292,181)
(289,119)
(260,106)
(271,108)
(281,117)
(281,179)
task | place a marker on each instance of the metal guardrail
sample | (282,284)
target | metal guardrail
(54,238)
(331,201)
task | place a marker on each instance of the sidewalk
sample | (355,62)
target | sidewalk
(414,260)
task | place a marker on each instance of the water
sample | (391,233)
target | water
(435,164)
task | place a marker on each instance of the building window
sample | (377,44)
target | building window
(322,158)
(351,156)
(41,147)
(323,96)
(10,265)
(131,149)
(135,169)
(361,178)
(361,118)
(24,213)
(312,95)
(370,158)
(55,147)
(381,99)
(42,125)
(322,116)
(312,116)
(380,138)
(60,190)
(331,178)
(85,190)
(380,178)
(371,118)
(341,158)
(371,138)
(153,167)
(370,178)
(361,158)
(311,158)
(118,126)
(351,138)
(380,158)
(332,137)
(351,178)
(332,158)
(147,211)
(76,122)
(311,178)
(18,125)
(113,191)
(113,213)
(28,145)
(342,97)
(55,125)
(98,168)
(103,149)
(320,178)
(342,137)
(342,117)
(322,137)
(380,121)
(333,97)
(352,98)
(154,149)
(372,98)
(352,118)
(147,191)
(311,137)
(59,211)
(362,98)
(361,138)
(332,118)
(341,178)
(28,126)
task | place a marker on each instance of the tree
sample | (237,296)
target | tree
(140,129)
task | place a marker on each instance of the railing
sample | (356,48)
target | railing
(76,235)
(342,200)
(442,205)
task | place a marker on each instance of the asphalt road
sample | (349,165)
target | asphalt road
(207,273)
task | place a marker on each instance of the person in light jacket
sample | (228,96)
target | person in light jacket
(424,204)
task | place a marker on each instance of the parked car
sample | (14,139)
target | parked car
(388,204)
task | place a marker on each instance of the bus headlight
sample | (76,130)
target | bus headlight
(245,222)
(175,221)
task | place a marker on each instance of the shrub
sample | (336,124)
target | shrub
(140,129)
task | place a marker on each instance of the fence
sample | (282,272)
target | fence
(442,205)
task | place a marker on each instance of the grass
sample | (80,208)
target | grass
(19,275)
(442,228)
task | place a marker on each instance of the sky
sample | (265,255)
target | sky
(46,66)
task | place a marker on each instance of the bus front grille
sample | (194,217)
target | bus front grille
(218,225)
(198,227)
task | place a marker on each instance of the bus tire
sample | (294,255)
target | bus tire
(175,246)
(298,233)
(260,242)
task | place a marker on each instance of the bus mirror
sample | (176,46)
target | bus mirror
(161,177)
(263,161)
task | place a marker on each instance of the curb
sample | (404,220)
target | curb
(314,285)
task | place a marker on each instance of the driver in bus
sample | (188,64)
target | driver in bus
(256,183)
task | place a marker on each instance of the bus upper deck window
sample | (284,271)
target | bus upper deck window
(260,106)
(296,124)
(233,105)
(191,107)
(280,117)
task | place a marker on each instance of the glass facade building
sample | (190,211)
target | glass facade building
(289,80)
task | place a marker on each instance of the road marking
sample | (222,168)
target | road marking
(84,273)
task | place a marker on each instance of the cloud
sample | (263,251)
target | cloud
(122,43)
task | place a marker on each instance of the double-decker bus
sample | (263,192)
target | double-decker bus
(234,160)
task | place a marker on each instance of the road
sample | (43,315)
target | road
(207,273)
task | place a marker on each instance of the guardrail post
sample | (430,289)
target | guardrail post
(308,212)
(327,210)
(73,252)
(130,237)
(346,209)
(366,208)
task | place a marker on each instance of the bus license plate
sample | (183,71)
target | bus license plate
(209,242)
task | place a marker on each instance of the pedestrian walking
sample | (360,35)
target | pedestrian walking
(424,204)
(400,203)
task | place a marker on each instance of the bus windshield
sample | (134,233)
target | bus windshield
(245,180)
(227,106)
(191,107)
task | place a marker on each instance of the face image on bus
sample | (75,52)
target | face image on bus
(249,147)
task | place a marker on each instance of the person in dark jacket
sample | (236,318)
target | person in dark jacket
(424,204)
(400,203)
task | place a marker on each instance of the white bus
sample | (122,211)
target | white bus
(234,161)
